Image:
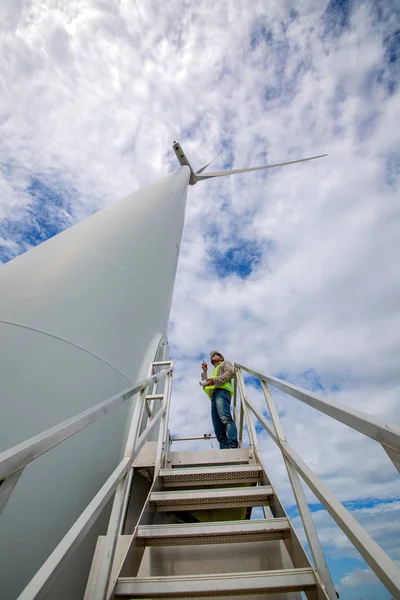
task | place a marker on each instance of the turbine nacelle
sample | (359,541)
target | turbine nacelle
(181,156)
(196,176)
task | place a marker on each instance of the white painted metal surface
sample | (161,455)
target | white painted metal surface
(81,317)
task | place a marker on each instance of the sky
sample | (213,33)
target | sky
(293,271)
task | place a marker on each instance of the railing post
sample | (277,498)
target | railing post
(249,422)
(241,413)
(234,398)
(162,439)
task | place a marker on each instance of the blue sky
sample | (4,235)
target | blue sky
(292,271)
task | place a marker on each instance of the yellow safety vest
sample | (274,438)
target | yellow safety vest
(210,388)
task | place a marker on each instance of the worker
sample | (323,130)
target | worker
(219,389)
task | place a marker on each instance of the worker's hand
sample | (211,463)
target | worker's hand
(204,366)
(210,382)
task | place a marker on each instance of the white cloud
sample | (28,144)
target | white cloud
(359,577)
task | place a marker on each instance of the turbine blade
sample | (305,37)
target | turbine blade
(205,166)
(235,171)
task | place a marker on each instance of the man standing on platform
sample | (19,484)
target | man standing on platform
(219,389)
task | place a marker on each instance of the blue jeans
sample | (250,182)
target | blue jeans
(224,426)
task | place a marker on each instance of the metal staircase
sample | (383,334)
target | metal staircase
(181,523)
(195,538)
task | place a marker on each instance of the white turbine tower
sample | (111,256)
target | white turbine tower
(81,317)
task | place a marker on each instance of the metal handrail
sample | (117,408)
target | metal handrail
(42,582)
(387,434)
(14,460)
(378,560)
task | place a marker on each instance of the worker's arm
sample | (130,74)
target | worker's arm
(225,373)
(204,371)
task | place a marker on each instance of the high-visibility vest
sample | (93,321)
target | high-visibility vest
(225,386)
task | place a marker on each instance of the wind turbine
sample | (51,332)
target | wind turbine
(197,176)
(82,316)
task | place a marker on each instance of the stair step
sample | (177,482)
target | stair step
(223,532)
(186,586)
(210,458)
(212,498)
(208,475)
